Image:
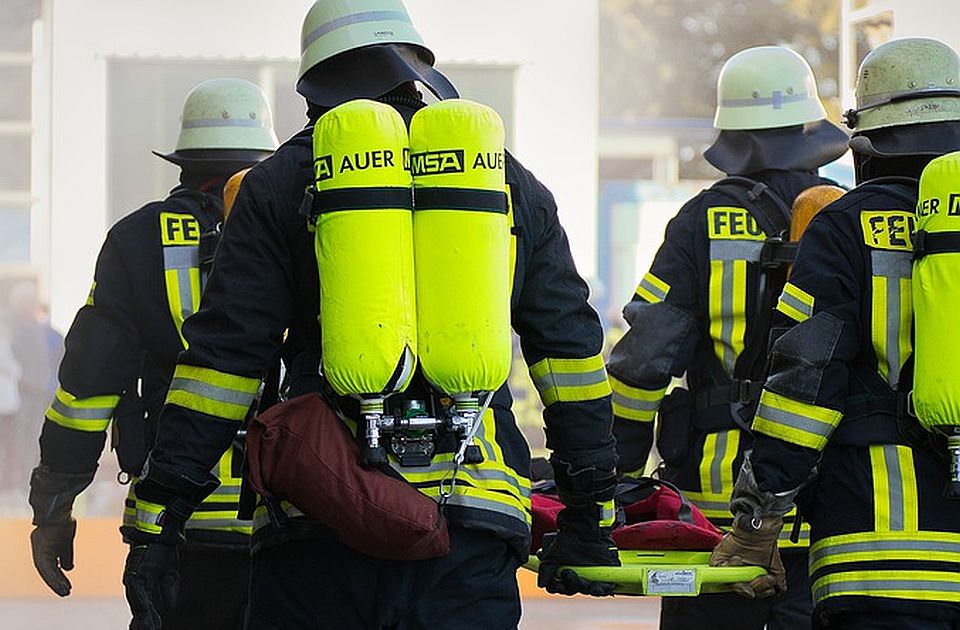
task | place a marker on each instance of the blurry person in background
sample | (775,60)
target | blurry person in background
(121,350)
(703,311)
(10,374)
(31,351)
(54,346)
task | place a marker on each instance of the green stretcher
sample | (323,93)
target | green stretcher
(666,573)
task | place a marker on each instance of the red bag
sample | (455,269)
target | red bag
(657,516)
(301,452)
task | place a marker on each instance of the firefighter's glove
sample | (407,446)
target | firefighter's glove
(758,519)
(754,545)
(580,541)
(151,580)
(51,497)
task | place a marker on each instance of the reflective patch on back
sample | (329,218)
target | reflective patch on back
(731,223)
(888,229)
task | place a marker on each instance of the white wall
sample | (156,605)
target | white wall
(554,45)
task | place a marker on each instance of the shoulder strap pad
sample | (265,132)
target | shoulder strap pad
(771,213)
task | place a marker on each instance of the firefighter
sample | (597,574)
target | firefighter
(266,281)
(884,538)
(122,348)
(702,310)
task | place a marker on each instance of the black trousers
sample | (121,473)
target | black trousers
(729,611)
(214,582)
(883,621)
(320,583)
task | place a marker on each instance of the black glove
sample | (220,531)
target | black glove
(580,541)
(51,497)
(151,579)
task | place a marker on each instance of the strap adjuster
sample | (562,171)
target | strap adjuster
(777,252)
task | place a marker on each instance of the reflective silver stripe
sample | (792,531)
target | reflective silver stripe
(881,586)
(225,490)
(894,487)
(795,421)
(793,302)
(347,20)
(463,500)
(570,379)
(216,523)
(787,532)
(726,317)
(148,517)
(917,547)
(655,290)
(891,264)
(776,100)
(181,257)
(81,413)
(202,123)
(607,513)
(212,392)
(725,249)
(719,452)
(634,403)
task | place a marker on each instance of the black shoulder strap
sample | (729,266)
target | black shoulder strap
(903,188)
(770,211)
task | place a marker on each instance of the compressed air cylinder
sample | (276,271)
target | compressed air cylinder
(936,299)
(364,247)
(462,246)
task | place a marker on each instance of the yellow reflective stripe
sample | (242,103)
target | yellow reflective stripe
(481,499)
(652,289)
(635,403)
(878,324)
(715,308)
(570,380)
(795,303)
(894,488)
(727,306)
(911,502)
(93,288)
(82,414)
(885,545)
(738,314)
(794,421)
(716,465)
(895,584)
(706,464)
(148,516)
(608,513)
(211,392)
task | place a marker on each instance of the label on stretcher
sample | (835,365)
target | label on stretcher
(674,581)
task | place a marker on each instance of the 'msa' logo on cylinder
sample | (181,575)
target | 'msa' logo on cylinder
(437,162)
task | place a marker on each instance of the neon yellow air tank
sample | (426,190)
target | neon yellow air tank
(364,248)
(462,246)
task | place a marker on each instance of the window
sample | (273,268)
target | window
(17,19)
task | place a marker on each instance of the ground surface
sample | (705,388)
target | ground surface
(539,614)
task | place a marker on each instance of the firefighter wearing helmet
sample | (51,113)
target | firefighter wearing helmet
(703,310)
(421,414)
(839,398)
(120,356)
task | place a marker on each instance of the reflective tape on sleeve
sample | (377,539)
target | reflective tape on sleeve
(608,513)
(634,403)
(82,414)
(570,380)
(794,421)
(149,516)
(653,289)
(795,303)
(211,392)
